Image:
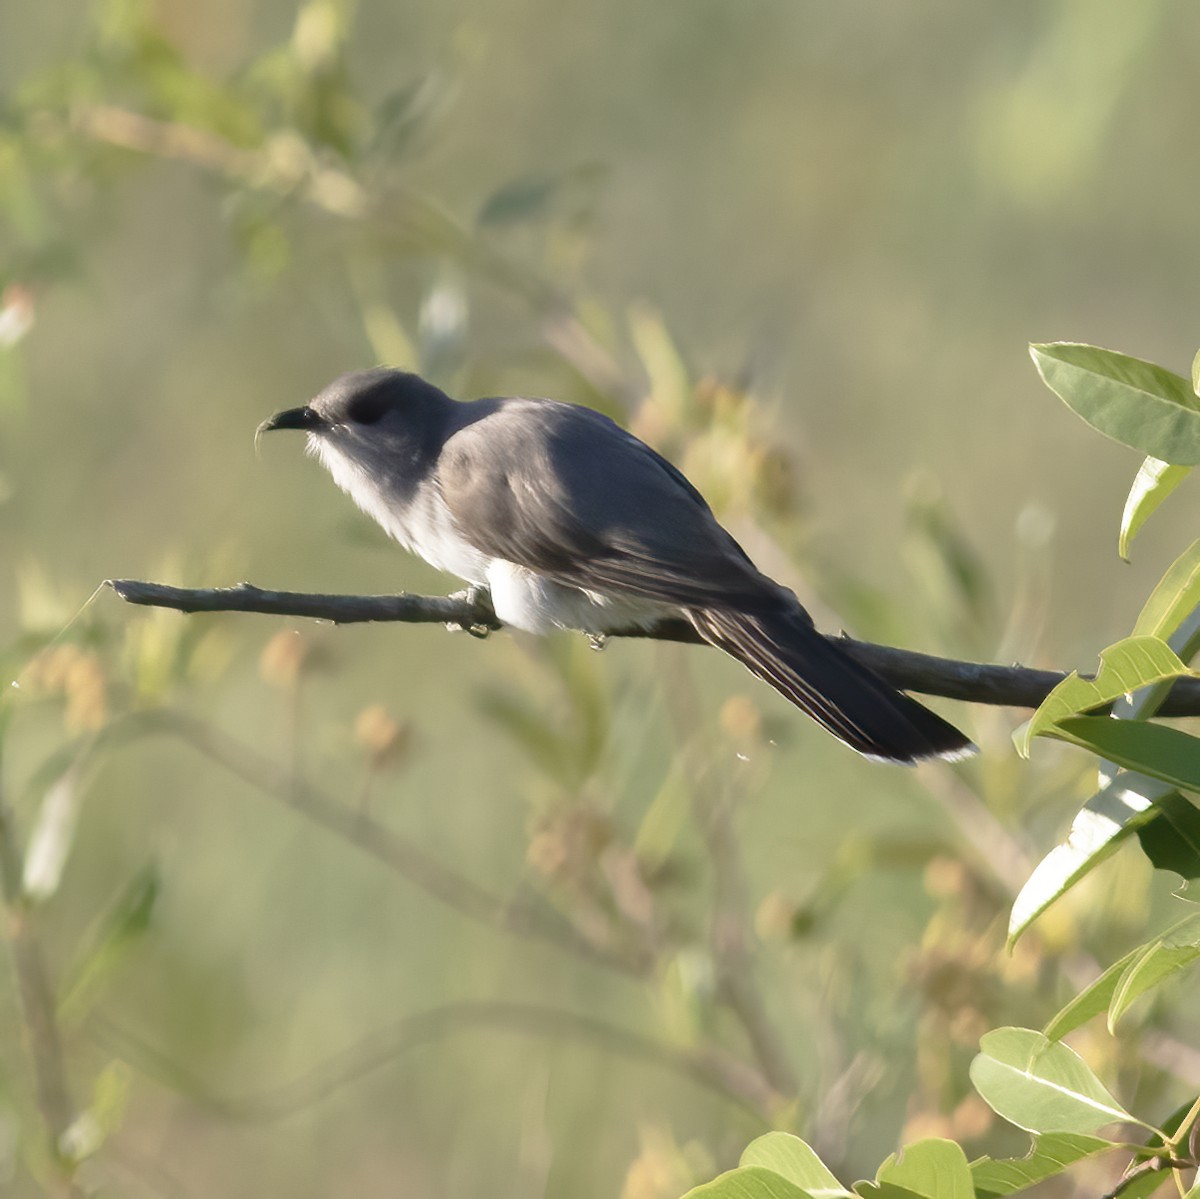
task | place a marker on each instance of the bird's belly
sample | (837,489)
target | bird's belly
(527,600)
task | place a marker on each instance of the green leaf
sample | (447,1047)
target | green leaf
(1153,749)
(1145,1185)
(1050,1155)
(1131,976)
(1152,484)
(521,200)
(1124,668)
(747,1182)
(1041,1085)
(103,1115)
(1171,840)
(1196,373)
(1099,827)
(665,818)
(670,383)
(884,1190)
(1134,402)
(117,930)
(1153,964)
(789,1157)
(934,1168)
(1174,598)
(1091,1001)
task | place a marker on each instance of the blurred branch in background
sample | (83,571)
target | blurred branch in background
(707,1066)
(39,1014)
(974,682)
(286,165)
(731,921)
(519,918)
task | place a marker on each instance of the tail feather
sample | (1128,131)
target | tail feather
(838,692)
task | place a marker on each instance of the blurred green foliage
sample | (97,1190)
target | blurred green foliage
(304,911)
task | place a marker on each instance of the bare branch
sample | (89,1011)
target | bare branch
(732,952)
(974,682)
(711,1068)
(518,917)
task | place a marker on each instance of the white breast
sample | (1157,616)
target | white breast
(423,526)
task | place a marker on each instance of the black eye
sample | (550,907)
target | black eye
(367,408)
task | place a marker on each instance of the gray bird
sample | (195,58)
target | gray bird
(571,522)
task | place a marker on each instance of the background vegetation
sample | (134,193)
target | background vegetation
(384,911)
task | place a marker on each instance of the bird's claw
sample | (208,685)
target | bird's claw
(597,641)
(472,597)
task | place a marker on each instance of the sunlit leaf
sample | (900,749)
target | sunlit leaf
(934,1167)
(103,1115)
(442,325)
(1134,402)
(794,1160)
(1099,827)
(665,818)
(1152,484)
(52,838)
(1152,749)
(1041,1085)
(1196,373)
(390,341)
(670,384)
(1124,668)
(1050,1154)
(747,1182)
(1153,964)
(1174,598)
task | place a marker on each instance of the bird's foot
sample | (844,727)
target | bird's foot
(597,641)
(478,599)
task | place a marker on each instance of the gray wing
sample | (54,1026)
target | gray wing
(566,492)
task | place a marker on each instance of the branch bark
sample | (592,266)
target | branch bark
(974,682)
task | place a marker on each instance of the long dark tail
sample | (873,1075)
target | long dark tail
(839,693)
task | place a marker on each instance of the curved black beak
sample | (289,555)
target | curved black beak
(291,418)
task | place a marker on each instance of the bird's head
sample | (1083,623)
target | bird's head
(367,415)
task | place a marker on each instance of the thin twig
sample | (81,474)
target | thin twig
(37,1005)
(737,983)
(387,846)
(975,682)
(287,168)
(711,1068)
